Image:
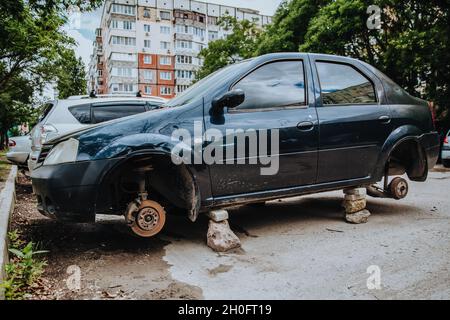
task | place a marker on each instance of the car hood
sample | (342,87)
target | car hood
(94,139)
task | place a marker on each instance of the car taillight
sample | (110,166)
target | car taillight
(11,143)
(433,113)
(46,129)
(446,139)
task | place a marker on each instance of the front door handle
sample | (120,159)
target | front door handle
(384,119)
(305,126)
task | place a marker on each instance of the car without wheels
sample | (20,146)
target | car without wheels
(341,123)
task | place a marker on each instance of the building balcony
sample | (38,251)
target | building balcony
(183,36)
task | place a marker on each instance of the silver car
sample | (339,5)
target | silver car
(19,150)
(446,151)
(62,116)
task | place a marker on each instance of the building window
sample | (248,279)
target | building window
(164,30)
(183,29)
(165,91)
(124,41)
(199,32)
(147,43)
(123,9)
(164,15)
(165,75)
(184,74)
(213,35)
(148,75)
(123,87)
(165,60)
(148,90)
(146,13)
(165,45)
(146,28)
(147,59)
(99,73)
(123,72)
(128,25)
(184,59)
(181,88)
(184,44)
(114,24)
(212,20)
(201,19)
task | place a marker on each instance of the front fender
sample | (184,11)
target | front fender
(150,142)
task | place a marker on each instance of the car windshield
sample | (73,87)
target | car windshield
(200,87)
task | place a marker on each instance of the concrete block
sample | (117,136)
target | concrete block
(354,206)
(218,215)
(220,238)
(358,217)
(353,197)
(355,191)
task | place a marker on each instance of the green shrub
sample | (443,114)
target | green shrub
(24,268)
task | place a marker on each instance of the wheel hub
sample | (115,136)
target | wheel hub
(149,219)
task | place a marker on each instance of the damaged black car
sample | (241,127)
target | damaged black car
(279,125)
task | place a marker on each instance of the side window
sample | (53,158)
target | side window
(109,112)
(342,84)
(82,113)
(274,85)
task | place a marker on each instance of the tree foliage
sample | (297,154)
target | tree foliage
(240,44)
(71,75)
(32,46)
(411,47)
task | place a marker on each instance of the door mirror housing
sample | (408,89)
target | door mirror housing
(231,99)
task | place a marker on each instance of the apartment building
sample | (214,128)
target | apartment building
(96,79)
(153,45)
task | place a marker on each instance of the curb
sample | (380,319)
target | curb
(7,202)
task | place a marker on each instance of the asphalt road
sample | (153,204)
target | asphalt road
(298,248)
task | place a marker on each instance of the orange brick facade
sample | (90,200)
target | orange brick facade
(156,86)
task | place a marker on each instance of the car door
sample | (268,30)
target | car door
(276,100)
(353,121)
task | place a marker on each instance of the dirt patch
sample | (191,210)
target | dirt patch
(112,263)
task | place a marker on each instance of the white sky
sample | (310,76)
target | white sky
(84,32)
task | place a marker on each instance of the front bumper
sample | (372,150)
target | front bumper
(68,191)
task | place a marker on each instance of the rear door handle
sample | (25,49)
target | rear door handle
(384,119)
(305,126)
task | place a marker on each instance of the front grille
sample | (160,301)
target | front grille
(44,152)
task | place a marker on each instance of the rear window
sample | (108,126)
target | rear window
(45,110)
(82,113)
(110,112)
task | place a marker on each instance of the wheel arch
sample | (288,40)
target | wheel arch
(404,153)
(182,181)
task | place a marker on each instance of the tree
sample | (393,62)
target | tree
(412,46)
(32,45)
(289,26)
(240,44)
(15,106)
(71,76)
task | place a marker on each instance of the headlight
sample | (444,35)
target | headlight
(63,152)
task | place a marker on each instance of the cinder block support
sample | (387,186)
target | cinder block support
(355,205)
(220,237)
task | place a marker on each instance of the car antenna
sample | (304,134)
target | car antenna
(92,94)
(139,94)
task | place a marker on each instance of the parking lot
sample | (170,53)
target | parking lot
(297,248)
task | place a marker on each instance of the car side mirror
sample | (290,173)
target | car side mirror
(231,99)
